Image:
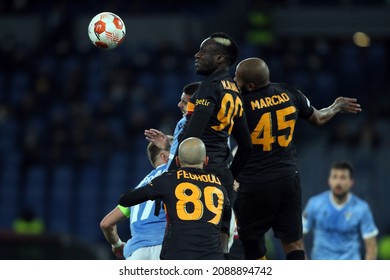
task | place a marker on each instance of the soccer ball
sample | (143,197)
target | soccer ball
(106,30)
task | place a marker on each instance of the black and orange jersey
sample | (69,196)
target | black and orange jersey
(215,112)
(197,209)
(272,112)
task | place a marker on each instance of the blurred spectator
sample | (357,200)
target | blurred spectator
(367,137)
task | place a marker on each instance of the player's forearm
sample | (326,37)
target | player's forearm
(133,197)
(324,115)
(371,256)
(328,113)
(371,249)
(111,234)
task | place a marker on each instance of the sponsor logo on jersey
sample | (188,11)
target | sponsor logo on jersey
(203,102)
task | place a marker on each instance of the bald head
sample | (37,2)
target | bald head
(252,72)
(192,152)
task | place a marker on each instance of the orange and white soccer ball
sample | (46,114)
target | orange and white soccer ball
(106,30)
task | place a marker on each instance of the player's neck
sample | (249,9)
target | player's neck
(340,200)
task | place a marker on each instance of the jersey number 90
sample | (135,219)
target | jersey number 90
(230,107)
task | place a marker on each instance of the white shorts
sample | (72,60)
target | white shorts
(146,253)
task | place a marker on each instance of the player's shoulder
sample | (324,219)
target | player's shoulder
(358,201)
(320,197)
(223,81)
(168,174)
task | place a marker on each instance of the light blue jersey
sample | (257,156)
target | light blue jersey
(175,143)
(337,228)
(146,228)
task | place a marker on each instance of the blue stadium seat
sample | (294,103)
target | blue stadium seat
(61,203)
(18,86)
(88,203)
(171,89)
(35,189)
(9,128)
(2,85)
(8,194)
(324,88)
(300,80)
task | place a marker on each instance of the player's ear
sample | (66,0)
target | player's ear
(164,156)
(250,87)
(177,161)
(220,58)
(206,161)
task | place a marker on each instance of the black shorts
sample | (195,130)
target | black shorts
(275,205)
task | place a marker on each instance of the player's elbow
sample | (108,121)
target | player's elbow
(105,224)
(316,120)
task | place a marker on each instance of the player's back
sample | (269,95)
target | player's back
(197,207)
(219,91)
(271,114)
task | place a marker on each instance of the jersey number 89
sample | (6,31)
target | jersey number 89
(210,193)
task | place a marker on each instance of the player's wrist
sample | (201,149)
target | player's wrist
(117,244)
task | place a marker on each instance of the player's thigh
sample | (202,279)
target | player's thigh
(255,209)
(288,224)
(146,253)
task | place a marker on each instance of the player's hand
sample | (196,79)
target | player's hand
(348,105)
(157,137)
(118,251)
(236,185)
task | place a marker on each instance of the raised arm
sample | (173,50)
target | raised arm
(340,105)
(158,138)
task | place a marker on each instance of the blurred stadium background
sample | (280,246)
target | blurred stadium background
(72,116)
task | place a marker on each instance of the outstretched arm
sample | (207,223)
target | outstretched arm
(340,105)
(135,196)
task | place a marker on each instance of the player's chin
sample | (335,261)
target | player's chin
(340,194)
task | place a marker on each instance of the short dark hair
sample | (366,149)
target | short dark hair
(191,88)
(227,44)
(344,164)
